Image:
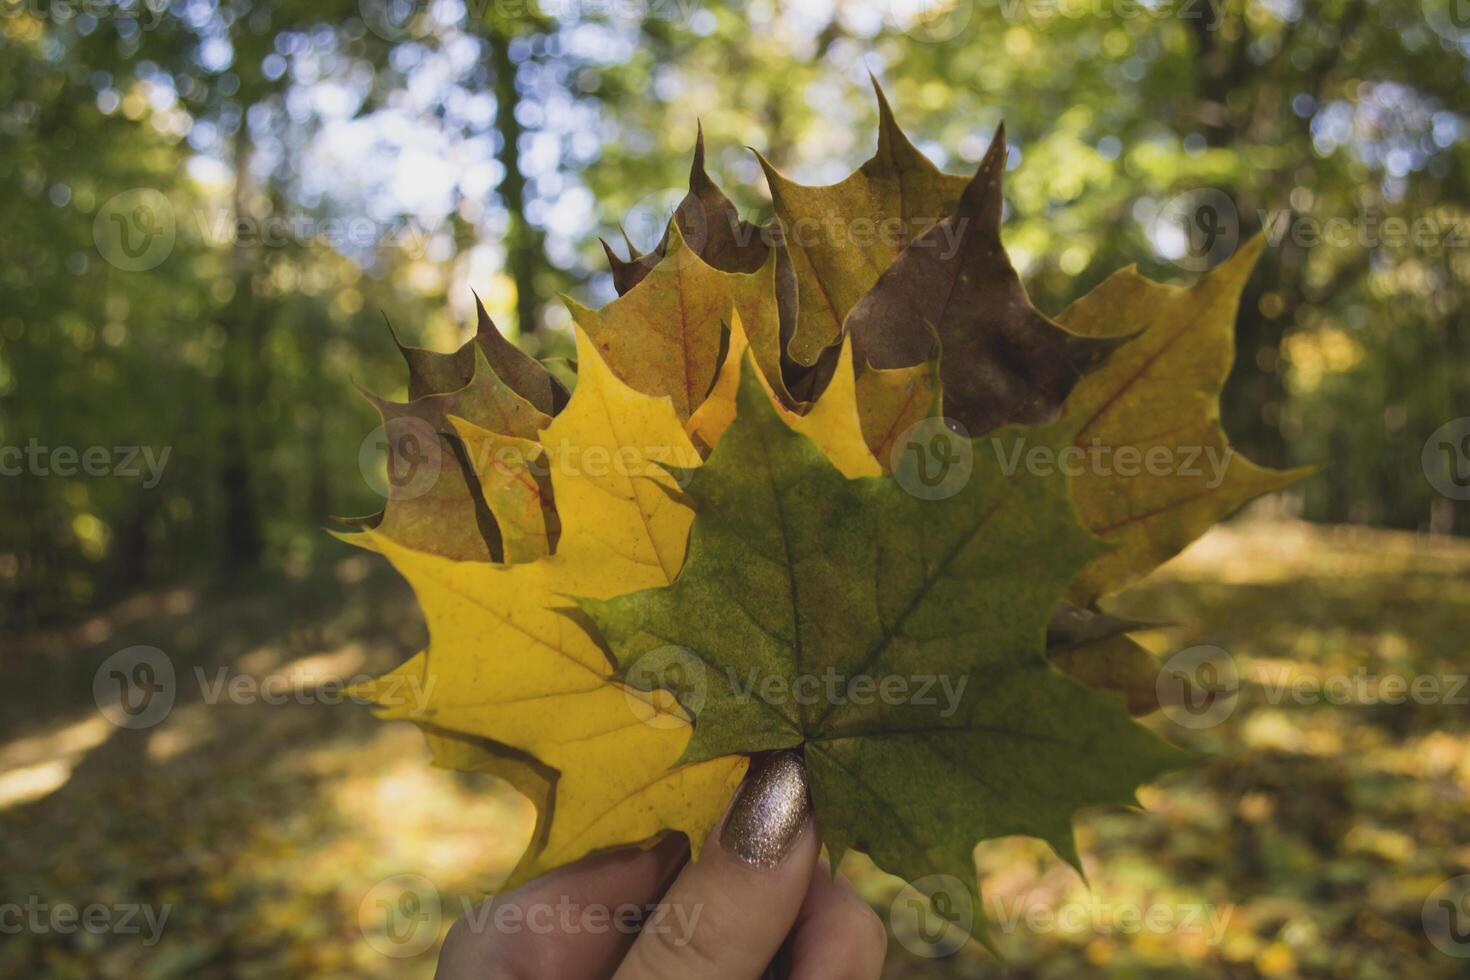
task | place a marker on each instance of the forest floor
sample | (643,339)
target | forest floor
(262,820)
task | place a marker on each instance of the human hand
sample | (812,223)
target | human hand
(757,894)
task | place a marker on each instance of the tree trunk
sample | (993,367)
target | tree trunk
(523,243)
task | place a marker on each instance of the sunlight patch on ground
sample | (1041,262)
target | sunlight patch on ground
(37,765)
(33,782)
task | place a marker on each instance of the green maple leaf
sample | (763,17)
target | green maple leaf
(796,575)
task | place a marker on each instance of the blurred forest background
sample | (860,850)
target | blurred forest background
(383,159)
(211,206)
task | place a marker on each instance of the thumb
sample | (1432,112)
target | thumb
(727,914)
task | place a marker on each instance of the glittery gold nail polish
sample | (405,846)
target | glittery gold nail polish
(768,813)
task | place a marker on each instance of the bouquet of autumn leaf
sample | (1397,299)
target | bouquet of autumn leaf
(805,467)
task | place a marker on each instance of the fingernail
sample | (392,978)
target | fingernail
(768,813)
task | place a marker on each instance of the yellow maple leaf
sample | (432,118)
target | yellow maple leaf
(506,467)
(833,422)
(1157,399)
(506,662)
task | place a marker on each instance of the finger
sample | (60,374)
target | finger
(727,913)
(837,936)
(578,921)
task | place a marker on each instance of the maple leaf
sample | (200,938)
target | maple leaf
(435,502)
(515,486)
(1158,397)
(841,237)
(507,667)
(891,401)
(709,225)
(1095,649)
(797,574)
(801,366)
(690,301)
(708,221)
(834,422)
(1000,359)
(431,372)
